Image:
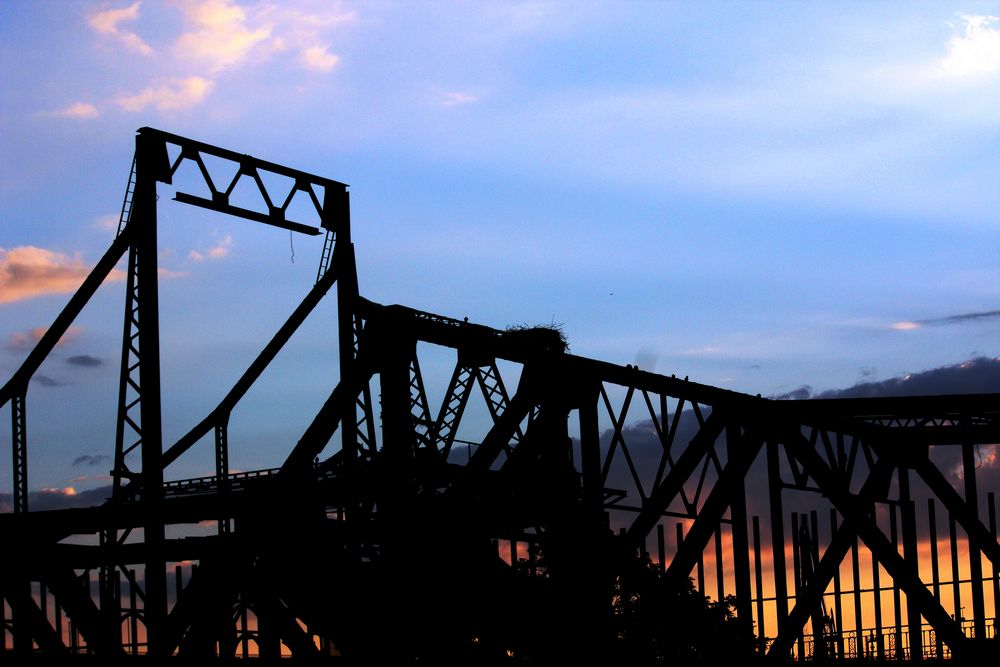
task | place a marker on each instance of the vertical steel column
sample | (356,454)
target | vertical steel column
(956,585)
(590,458)
(777,536)
(720,584)
(859,624)
(661,551)
(151,158)
(19,439)
(797,578)
(991,502)
(975,550)
(759,583)
(910,555)
(896,602)
(741,542)
(877,590)
(838,607)
(935,567)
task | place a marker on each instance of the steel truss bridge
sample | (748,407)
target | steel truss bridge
(382,533)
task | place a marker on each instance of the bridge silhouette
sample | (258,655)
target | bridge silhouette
(381,532)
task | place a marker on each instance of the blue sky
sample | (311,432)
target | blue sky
(757,195)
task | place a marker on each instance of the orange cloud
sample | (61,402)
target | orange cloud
(219,251)
(219,37)
(27,272)
(77,110)
(22,340)
(168,95)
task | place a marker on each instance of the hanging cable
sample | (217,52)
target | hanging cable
(291,245)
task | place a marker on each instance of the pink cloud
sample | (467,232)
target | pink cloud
(27,272)
(22,340)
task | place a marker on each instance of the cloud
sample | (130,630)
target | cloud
(219,35)
(454,99)
(59,498)
(800,394)
(46,381)
(168,95)
(904,326)
(107,222)
(25,340)
(28,271)
(91,460)
(84,360)
(170,274)
(319,59)
(77,110)
(219,251)
(976,51)
(961,318)
(108,22)
(975,376)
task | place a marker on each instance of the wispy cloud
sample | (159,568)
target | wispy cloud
(91,460)
(107,222)
(219,34)
(108,22)
(84,360)
(28,271)
(81,110)
(454,99)
(961,318)
(218,251)
(168,95)
(23,340)
(975,51)
(319,58)
(46,381)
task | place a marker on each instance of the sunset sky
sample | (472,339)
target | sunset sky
(758,195)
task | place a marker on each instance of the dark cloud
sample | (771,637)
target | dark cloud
(58,499)
(961,318)
(84,360)
(89,460)
(976,376)
(800,394)
(46,381)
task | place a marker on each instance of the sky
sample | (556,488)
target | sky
(761,196)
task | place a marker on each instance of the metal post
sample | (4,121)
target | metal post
(777,536)
(896,601)
(910,555)
(720,584)
(975,550)
(935,567)
(797,578)
(759,582)
(741,543)
(991,503)
(149,154)
(859,624)
(661,555)
(838,608)
(956,584)
(877,591)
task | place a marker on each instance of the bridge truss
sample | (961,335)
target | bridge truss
(384,533)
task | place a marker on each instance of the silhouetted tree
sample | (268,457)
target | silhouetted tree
(664,619)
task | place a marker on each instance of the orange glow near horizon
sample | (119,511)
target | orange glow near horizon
(847,585)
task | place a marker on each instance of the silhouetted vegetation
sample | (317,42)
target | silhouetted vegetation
(664,619)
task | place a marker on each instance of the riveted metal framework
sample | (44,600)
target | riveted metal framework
(422,530)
